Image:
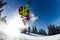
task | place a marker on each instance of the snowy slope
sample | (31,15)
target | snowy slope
(11,31)
(32,34)
(28,37)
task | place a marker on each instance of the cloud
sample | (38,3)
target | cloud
(33,18)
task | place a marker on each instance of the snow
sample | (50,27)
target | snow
(29,37)
(32,34)
(11,31)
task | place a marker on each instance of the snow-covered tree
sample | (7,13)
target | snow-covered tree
(42,32)
(2,4)
(34,30)
(29,30)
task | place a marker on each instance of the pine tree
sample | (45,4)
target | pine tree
(42,32)
(34,30)
(28,30)
(58,29)
(2,4)
(52,30)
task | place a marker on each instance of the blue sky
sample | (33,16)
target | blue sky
(48,11)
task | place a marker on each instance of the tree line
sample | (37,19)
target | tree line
(52,30)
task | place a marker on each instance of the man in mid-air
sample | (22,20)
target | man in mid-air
(24,12)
